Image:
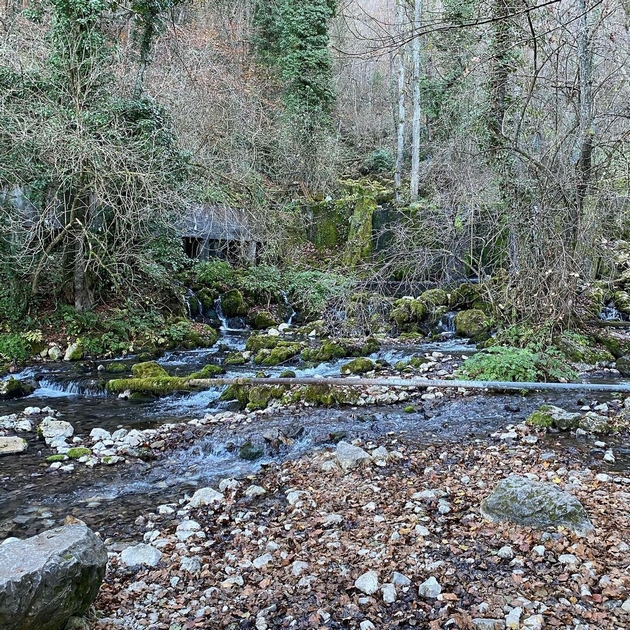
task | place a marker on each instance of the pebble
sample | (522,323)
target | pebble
(205,496)
(535,622)
(603,477)
(389,593)
(429,588)
(255,491)
(540,550)
(367,583)
(367,625)
(626,605)
(398,579)
(262,561)
(567,558)
(298,567)
(140,554)
(421,530)
(190,565)
(506,552)
(609,457)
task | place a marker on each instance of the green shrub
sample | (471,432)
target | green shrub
(14,347)
(504,363)
(214,273)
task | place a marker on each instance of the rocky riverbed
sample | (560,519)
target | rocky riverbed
(392,539)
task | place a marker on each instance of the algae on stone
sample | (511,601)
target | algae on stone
(360,365)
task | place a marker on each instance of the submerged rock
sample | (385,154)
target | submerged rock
(535,504)
(46,579)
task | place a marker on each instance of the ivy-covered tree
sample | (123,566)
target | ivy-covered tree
(90,178)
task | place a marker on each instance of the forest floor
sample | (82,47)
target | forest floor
(397,542)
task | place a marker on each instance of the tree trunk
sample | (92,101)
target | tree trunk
(415,130)
(400,119)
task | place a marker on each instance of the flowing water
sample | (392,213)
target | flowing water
(33,497)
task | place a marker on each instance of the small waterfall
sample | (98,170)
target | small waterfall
(222,318)
(446,326)
(289,308)
(193,305)
(610,314)
(89,388)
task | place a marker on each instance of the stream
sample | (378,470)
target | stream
(34,497)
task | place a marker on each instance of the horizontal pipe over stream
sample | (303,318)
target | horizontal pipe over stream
(413,383)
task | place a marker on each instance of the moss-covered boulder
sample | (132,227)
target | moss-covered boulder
(116,367)
(235,358)
(593,422)
(200,336)
(233,304)
(464,296)
(208,371)
(261,320)
(239,393)
(326,352)
(535,504)
(547,416)
(77,452)
(148,369)
(74,352)
(360,365)
(256,343)
(284,351)
(287,374)
(408,313)
(434,297)
(14,388)
(623,365)
(579,348)
(622,302)
(472,323)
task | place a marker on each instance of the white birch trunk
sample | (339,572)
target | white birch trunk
(415,129)
(400,118)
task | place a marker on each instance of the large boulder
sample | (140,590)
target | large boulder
(46,579)
(623,365)
(535,504)
(472,323)
(12,445)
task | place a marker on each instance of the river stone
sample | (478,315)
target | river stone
(367,583)
(623,365)
(51,429)
(12,445)
(350,456)
(595,423)
(535,504)
(74,352)
(205,496)
(14,388)
(54,353)
(430,588)
(46,579)
(141,554)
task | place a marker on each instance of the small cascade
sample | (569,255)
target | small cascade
(87,388)
(446,326)
(225,322)
(292,312)
(610,313)
(193,305)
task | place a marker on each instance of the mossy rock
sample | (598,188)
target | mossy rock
(233,304)
(208,371)
(116,367)
(264,319)
(582,349)
(78,452)
(361,365)
(239,393)
(594,423)
(323,395)
(51,459)
(287,374)
(149,369)
(207,297)
(326,352)
(14,388)
(408,314)
(547,416)
(256,343)
(154,386)
(201,336)
(260,396)
(234,358)
(250,451)
(472,323)
(622,302)
(281,353)
(464,296)
(623,365)
(434,297)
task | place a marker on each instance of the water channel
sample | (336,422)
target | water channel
(109,498)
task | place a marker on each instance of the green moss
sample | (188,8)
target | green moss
(281,353)
(234,358)
(78,452)
(464,296)
(326,352)
(256,343)
(154,386)
(14,388)
(259,397)
(541,418)
(434,297)
(208,371)
(359,246)
(287,374)
(149,369)
(408,314)
(239,393)
(409,409)
(578,347)
(264,319)
(233,304)
(472,323)
(116,367)
(200,337)
(361,365)
(51,459)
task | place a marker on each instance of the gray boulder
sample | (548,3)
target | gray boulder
(350,456)
(535,504)
(14,388)
(46,579)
